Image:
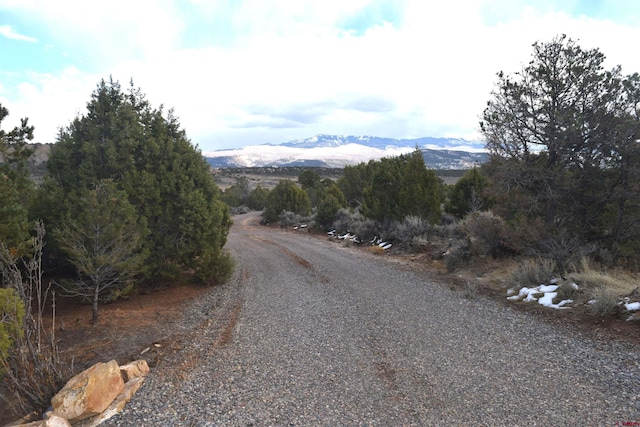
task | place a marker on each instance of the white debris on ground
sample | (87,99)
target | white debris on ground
(356,239)
(544,294)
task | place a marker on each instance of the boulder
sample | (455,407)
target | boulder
(136,369)
(89,393)
(130,388)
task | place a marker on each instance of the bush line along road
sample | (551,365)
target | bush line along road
(309,332)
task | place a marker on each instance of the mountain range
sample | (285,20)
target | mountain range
(338,151)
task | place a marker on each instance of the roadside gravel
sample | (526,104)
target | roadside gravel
(309,333)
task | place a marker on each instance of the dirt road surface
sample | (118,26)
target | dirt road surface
(311,333)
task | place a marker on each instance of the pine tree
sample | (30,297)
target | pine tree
(104,243)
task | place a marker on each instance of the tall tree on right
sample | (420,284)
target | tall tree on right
(564,133)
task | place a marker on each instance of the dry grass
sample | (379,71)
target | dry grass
(376,250)
(616,281)
(532,272)
(604,302)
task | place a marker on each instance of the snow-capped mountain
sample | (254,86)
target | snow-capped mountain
(339,151)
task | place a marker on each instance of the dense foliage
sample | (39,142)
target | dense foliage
(467,194)
(564,136)
(104,244)
(393,188)
(16,189)
(286,196)
(257,198)
(146,155)
(11,318)
(238,193)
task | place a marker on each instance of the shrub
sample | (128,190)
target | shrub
(34,369)
(239,210)
(487,233)
(356,223)
(217,269)
(326,212)
(11,318)
(604,302)
(562,247)
(457,257)
(290,219)
(407,230)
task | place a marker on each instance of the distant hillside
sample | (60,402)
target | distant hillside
(338,151)
(37,163)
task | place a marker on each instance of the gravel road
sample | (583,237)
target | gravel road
(311,333)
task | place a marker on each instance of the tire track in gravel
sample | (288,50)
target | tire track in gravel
(297,258)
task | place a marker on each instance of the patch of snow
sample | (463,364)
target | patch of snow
(574,285)
(632,306)
(547,299)
(561,304)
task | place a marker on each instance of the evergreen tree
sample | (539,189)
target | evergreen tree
(467,194)
(563,133)
(286,196)
(238,193)
(326,212)
(104,243)
(402,186)
(308,179)
(15,187)
(257,198)
(148,156)
(354,181)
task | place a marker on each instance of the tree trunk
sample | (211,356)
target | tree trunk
(95,306)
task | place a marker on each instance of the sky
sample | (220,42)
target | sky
(248,72)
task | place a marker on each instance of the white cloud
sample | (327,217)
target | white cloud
(272,71)
(8,32)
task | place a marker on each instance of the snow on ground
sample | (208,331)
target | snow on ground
(632,306)
(545,294)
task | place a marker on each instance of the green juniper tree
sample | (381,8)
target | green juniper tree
(402,186)
(257,198)
(467,194)
(146,154)
(286,196)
